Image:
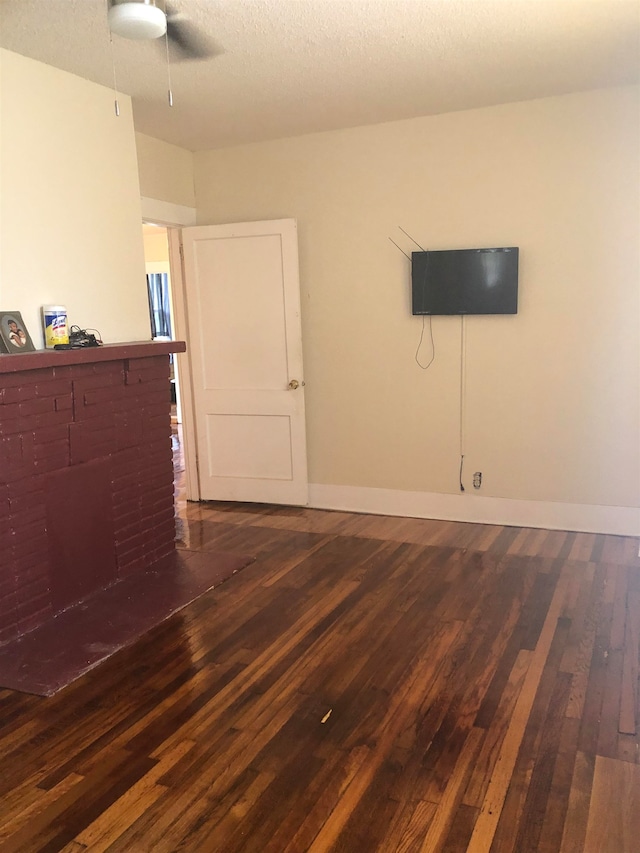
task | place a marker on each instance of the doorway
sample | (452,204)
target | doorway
(244,458)
(160,297)
(171,218)
(161,316)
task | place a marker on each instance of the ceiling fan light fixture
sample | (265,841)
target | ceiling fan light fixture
(137,20)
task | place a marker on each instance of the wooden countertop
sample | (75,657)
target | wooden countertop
(17,362)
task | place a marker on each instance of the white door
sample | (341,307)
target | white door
(244,335)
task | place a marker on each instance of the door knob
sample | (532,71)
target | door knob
(294,384)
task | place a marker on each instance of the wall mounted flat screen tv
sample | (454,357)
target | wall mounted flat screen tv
(465,281)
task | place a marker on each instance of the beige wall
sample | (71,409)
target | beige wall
(70,225)
(552,408)
(166,171)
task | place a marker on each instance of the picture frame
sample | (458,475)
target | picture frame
(14,336)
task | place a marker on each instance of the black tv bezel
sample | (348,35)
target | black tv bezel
(419,281)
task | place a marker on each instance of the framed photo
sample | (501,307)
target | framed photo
(13,333)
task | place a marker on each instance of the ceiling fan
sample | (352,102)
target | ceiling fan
(151,19)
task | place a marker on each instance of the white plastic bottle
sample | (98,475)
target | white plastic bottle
(54,320)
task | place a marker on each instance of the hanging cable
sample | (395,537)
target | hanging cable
(422,311)
(433,349)
(463,382)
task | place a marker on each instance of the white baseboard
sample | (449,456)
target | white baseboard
(618,520)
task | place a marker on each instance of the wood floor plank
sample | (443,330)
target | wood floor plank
(112,822)
(540,787)
(611,712)
(464,820)
(613,549)
(614,816)
(482,770)
(575,825)
(307,827)
(491,808)
(33,802)
(619,609)
(413,828)
(629,699)
(583,648)
(594,689)
(581,610)
(557,807)
(59,822)
(582,547)
(402,705)
(529,788)
(441,822)
(631,552)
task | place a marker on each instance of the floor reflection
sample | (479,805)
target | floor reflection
(183,537)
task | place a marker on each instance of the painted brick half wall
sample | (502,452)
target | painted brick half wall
(86,475)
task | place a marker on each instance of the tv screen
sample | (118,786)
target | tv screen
(465,281)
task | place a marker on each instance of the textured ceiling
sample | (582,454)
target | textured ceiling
(289,67)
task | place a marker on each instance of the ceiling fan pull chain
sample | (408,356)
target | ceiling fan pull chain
(115,80)
(113,65)
(169,92)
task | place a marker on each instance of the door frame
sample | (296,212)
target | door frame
(174,217)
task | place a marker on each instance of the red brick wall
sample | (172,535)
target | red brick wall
(65,417)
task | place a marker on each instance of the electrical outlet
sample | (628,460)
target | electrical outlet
(477,479)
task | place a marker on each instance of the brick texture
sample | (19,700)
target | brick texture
(58,418)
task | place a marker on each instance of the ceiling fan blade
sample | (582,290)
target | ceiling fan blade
(187,41)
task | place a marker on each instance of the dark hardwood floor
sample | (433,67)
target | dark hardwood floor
(368,684)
